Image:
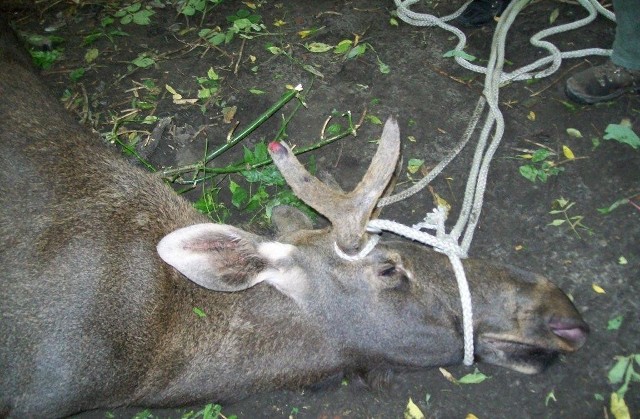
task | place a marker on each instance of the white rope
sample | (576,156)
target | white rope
(373,240)
(476,183)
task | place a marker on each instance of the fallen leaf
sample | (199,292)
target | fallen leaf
(615,323)
(414,165)
(622,260)
(448,375)
(531,116)
(228,113)
(470,416)
(597,288)
(412,411)
(619,408)
(318,47)
(474,378)
(568,153)
(574,133)
(278,23)
(623,134)
(550,396)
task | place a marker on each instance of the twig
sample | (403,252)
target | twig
(235,70)
(560,77)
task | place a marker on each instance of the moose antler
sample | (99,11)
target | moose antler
(347,212)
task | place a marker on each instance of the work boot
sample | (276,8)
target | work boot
(601,83)
(481,12)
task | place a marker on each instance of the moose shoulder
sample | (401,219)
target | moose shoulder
(103,266)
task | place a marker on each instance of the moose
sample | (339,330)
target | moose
(103,266)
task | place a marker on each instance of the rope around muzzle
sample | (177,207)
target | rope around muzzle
(449,243)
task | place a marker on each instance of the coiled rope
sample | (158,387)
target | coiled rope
(449,243)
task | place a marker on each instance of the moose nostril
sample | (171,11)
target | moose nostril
(570,329)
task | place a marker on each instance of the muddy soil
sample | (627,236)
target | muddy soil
(433,99)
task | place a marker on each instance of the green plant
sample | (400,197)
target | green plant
(210,411)
(243,23)
(623,373)
(45,50)
(208,85)
(265,185)
(622,133)
(562,206)
(191,7)
(540,166)
(103,32)
(135,13)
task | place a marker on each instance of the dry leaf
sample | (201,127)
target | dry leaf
(412,411)
(531,116)
(448,375)
(568,153)
(619,408)
(597,288)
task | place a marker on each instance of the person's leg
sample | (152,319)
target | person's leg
(621,73)
(626,47)
(481,12)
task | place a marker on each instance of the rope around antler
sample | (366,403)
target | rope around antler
(476,183)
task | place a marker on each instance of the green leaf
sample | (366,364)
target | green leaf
(615,323)
(384,68)
(311,69)
(613,206)
(540,155)
(623,134)
(616,374)
(343,46)
(143,62)
(77,74)
(474,378)
(357,51)
(414,165)
(91,55)
(212,74)
(256,91)
(572,132)
(198,312)
(556,223)
(239,195)
(318,47)
(143,17)
(373,119)
(458,53)
(529,172)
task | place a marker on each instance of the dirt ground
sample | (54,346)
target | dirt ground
(433,99)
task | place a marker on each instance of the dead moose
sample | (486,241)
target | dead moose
(102,266)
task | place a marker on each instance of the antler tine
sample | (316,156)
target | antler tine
(348,213)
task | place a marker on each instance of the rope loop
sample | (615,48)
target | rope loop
(373,240)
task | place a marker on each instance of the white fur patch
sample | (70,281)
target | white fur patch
(275,251)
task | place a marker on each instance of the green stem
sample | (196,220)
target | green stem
(215,171)
(255,124)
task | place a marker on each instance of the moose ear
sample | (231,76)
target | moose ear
(289,219)
(216,256)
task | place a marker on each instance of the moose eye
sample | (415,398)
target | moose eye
(388,270)
(395,277)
